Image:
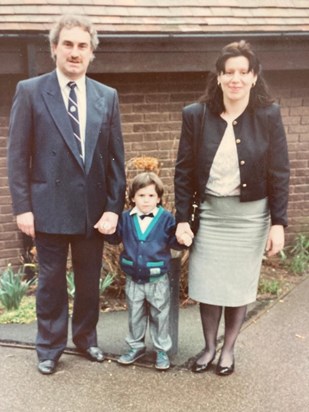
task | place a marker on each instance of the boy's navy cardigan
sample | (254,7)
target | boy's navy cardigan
(147,255)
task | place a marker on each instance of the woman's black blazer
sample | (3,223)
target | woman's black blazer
(262,153)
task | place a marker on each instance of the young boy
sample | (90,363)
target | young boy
(147,233)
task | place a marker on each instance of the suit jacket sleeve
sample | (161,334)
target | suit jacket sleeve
(278,169)
(19,151)
(185,180)
(116,171)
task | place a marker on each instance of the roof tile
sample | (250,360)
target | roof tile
(156,16)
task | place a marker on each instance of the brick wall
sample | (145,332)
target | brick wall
(151,117)
(292,90)
(10,238)
(151,107)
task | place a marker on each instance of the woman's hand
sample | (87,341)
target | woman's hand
(183,232)
(275,241)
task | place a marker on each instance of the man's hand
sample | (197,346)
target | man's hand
(25,223)
(107,224)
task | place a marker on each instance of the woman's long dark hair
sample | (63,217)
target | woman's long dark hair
(259,94)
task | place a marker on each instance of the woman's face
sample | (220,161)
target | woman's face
(237,80)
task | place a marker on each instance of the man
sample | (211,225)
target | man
(67,180)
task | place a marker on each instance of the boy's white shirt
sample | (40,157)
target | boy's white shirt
(143,223)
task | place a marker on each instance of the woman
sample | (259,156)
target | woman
(233,155)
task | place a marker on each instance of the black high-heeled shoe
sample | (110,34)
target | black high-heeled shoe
(200,368)
(225,370)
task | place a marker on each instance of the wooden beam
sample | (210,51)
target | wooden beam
(136,55)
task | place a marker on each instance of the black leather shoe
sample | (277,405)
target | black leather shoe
(94,354)
(200,368)
(47,367)
(225,370)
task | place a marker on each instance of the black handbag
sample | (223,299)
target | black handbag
(195,207)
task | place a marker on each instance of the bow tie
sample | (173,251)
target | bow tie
(149,215)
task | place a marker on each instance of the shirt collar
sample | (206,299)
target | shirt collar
(64,80)
(136,211)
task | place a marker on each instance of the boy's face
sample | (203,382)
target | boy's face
(146,199)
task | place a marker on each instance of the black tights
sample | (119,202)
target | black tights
(233,319)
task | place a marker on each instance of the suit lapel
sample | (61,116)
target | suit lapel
(95,115)
(54,102)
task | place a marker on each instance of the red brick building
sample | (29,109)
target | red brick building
(157,54)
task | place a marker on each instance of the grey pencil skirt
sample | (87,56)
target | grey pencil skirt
(226,256)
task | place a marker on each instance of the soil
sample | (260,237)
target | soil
(274,275)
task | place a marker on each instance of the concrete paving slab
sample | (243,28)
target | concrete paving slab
(272,373)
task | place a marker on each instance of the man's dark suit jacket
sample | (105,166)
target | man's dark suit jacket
(47,175)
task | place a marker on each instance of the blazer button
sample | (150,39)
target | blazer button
(58,182)
(238,141)
(244,185)
(242,162)
(234,122)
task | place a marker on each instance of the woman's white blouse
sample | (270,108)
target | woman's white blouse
(224,178)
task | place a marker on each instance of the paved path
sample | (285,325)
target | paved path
(272,370)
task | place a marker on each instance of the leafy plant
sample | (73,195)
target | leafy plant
(269,286)
(300,255)
(70,284)
(106,282)
(296,257)
(30,263)
(12,288)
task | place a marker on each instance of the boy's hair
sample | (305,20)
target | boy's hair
(143,180)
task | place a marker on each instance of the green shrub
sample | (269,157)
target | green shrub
(300,255)
(296,257)
(12,288)
(269,286)
(106,282)
(70,284)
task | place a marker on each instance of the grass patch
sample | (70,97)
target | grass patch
(271,287)
(24,314)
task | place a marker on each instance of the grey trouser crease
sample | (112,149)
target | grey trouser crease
(149,301)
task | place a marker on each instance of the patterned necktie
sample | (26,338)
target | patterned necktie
(73,114)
